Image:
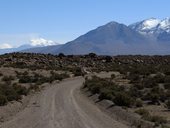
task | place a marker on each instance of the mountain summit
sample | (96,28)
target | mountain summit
(158,29)
(152,26)
(147,37)
(109,39)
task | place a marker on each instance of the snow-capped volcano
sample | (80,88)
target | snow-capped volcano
(40,42)
(165,25)
(152,26)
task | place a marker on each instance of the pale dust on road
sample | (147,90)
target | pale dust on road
(62,106)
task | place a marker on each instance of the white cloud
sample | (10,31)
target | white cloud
(5,46)
(42,42)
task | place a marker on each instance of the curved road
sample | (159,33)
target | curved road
(62,106)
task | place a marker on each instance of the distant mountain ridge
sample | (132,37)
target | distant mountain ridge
(112,38)
(147,37)
(20,48)
(160,29)
(152,26)
(45,50)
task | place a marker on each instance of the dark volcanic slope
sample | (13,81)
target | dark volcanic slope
(111,39)
(45,50)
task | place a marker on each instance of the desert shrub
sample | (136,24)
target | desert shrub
(56,76)
(142,69)
(1,74)
(3,100)
(20,89)
(134,92)
(109,90)
(34,87)
(142,112)
(12,95)
(167,79)
(123,99)
(78,72)
(25,73)
(8,78)
(138,103)
(108,59)
(167,73)
(106,94)
(28,79)
(149,82)
(153,97)
(94,85)
(159,78)
(168,104)
(167,86)
(146,116)
(60,55)
(134,78)
(165,126)
(36,78)
(9,92)
(167,94)
(95,89)
(92,55)
(139,86)
(157,90)
(113,76)
(39,79)
(156,119)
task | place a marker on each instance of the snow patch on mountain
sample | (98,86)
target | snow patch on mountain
(150,23)
(165,24)
(42,42)
(152,26)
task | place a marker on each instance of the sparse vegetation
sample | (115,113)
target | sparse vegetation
(146,116)
(10,91)
(8,78)
(168,104)
(148,77)
(3,100)
(109,90)
(142,112)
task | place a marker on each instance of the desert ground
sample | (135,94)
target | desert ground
(62,106)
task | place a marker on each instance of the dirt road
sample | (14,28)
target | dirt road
(62,106)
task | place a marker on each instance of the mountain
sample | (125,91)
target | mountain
(152,26)
(20,48)
(112,39)
(46,50)
(158,29)
(147,37)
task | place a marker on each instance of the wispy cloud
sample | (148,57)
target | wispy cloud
(5,46)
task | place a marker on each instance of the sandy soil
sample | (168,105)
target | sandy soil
(62,106)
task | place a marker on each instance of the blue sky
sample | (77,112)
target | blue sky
(64,20)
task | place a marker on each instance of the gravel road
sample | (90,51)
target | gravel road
(62,106)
